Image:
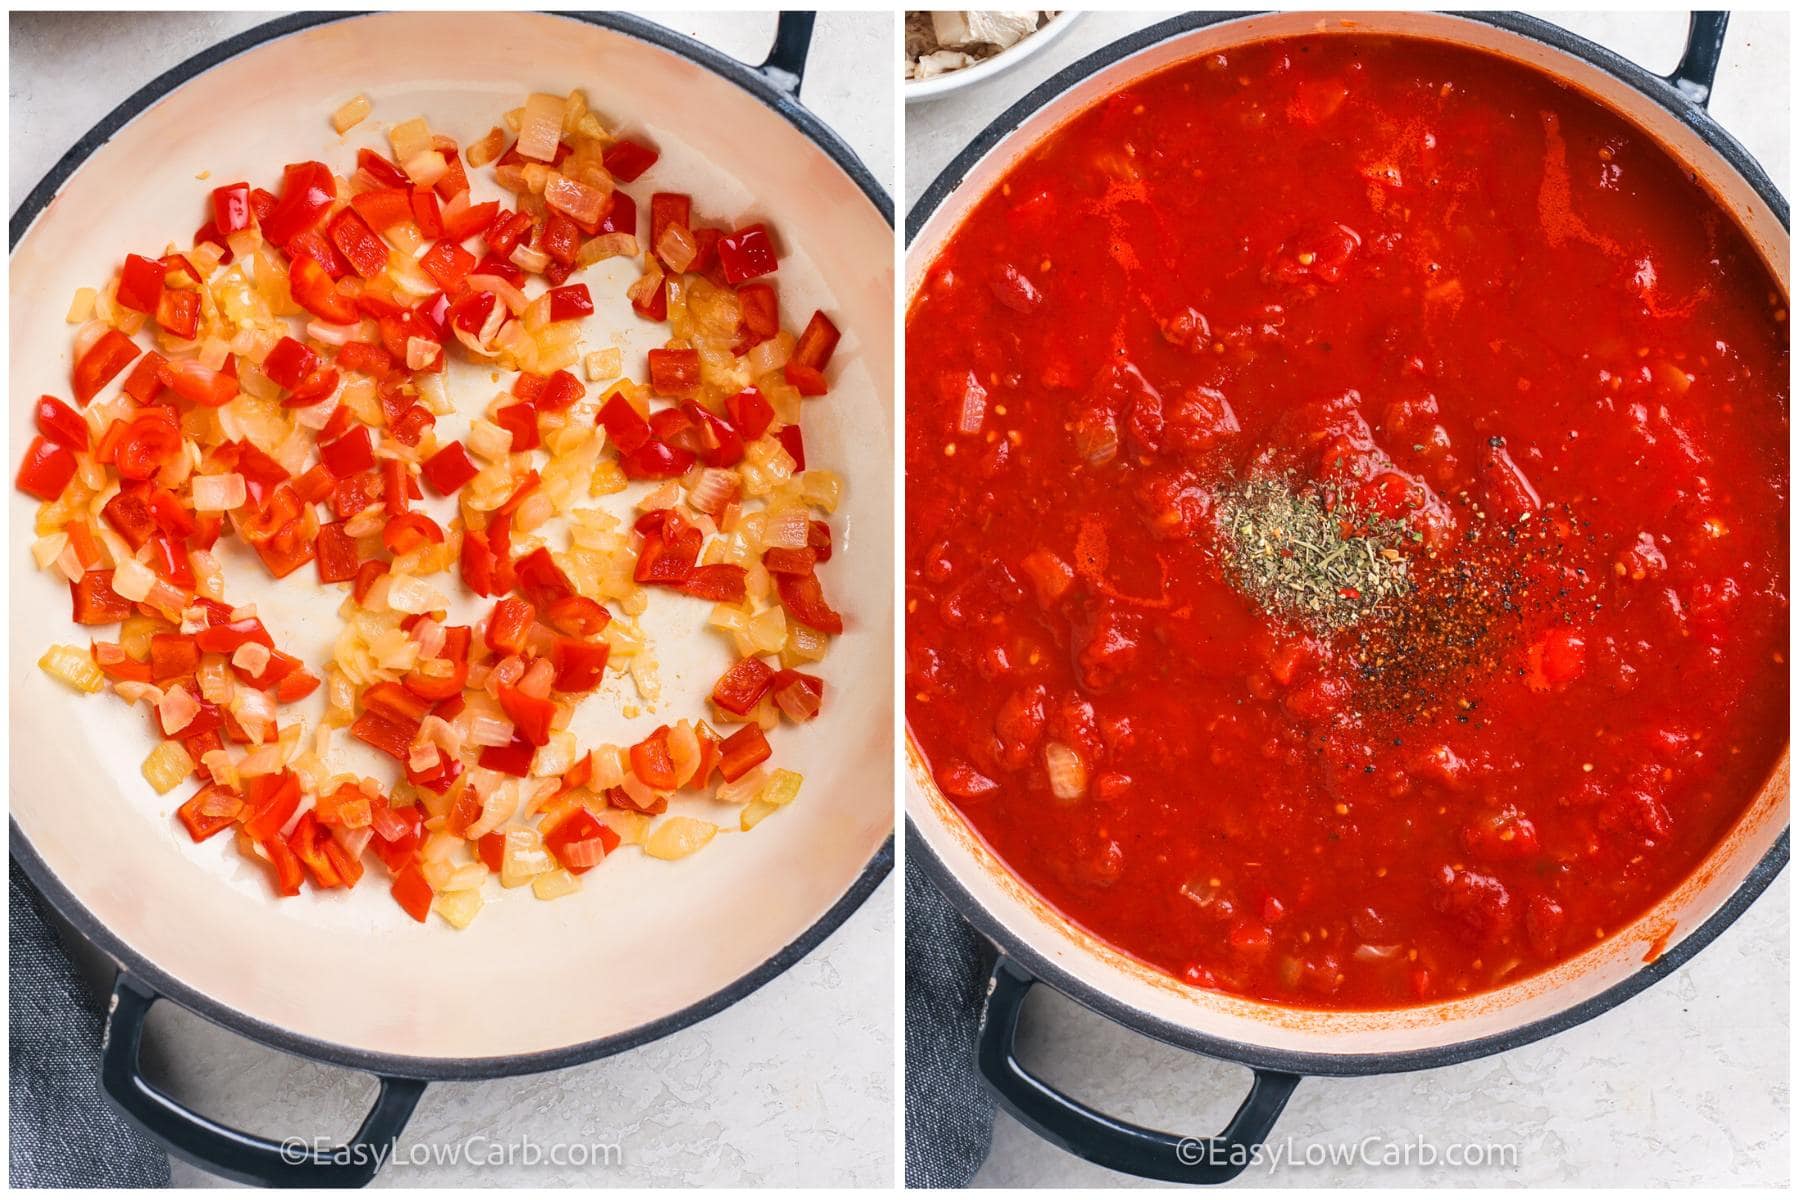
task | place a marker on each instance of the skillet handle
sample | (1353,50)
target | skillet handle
(1107,1141)
(1693,75)
(229,1152)
(786,63)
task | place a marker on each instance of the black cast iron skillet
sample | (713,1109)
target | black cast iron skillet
(1120,1145)
(248,1158)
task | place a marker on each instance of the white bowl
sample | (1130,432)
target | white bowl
(918,91)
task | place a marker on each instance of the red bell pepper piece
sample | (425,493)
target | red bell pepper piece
(626,428)
(514,758)
(739,688)
(760,313)
(198,383)
(794,444)
(146,443)
(144,383)
(383,208)
(750,412)
(471,221)
(742,751)
(804,600)
(507,627)
(530,715)
(571,303)
(104,359)
(393,740)
(95,602)
(231,208)
(798,694)
(178,311)
(413,893)
(675,373)
(722,583)
(621,217)
(315,291)
(444,687)
(626,159)
(46,469)
(289,363)
(307,190)
(747,254)
(427,214)
(408,531)
(447,263)
(140,283)
(542,581)
(61,424)
(580,842)
(577,616)
(449,469)
(579,665)
(816,342)
(284,867)
(201,825)
(521,420)
(349,455)
(361,246)
(335,552)
(366,575)
(652,763)
(381,170)
(271,800)
(656,460)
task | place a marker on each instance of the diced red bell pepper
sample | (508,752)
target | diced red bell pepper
(381,170)
(61,424)
(335,552)
(231,208)
(476,563)
(760,313)
(198,383)
(444,687)
(626,428)
(521,421)
(361,246)
(270,801)
(579,665)
(308,841)
(202,825)
(140,283)
(808,381)
(514,758)
(747,254)
(571,303)
(739,688)
(742,751)
(209,234)
(307,190)
(789,560)
(105,358)
(541,580)
(530,715)
(722,583)
(577,616)
(393,740)
(626,159)
(95,602)
(408,531)
(580,842)
(621,217)
(383,208)
(178,311)
(750,412)
(146,443)
(289,363)
(314,388)
(804,600)
(816,342)
(317,293)
(316,245)
(285,871)
(454,180)
(46,469)
(794,444)
(654,307)
(366,358)
(510,622)
(675,373)
(413,893)
(449,469)
(144,383)
(366,575)
(652,762)
(716,442)
(471,221)
(448,263)
(561,391)
(427,213)
(349,455)
(172,655)
(656,460)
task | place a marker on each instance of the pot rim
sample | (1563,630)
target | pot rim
(71,909)
(1756,880)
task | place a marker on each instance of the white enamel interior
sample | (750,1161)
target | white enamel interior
(1029,922)
(644,938)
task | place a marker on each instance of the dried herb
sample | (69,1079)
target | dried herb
(1300,553)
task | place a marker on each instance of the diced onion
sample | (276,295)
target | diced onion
(218,493)
(1068,774)
(167,766)
(351,113)
(133,580)
(540,127)
(72,666)
(678,837)
(176,710)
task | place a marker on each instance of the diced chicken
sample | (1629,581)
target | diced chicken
(940,61)
(956,30)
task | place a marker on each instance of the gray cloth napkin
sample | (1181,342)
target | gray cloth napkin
(64,1132)
(949,1112)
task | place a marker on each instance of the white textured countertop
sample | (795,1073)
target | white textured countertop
(1684,1085)
(792,1086)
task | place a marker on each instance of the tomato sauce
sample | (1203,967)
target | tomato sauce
(1462,296)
